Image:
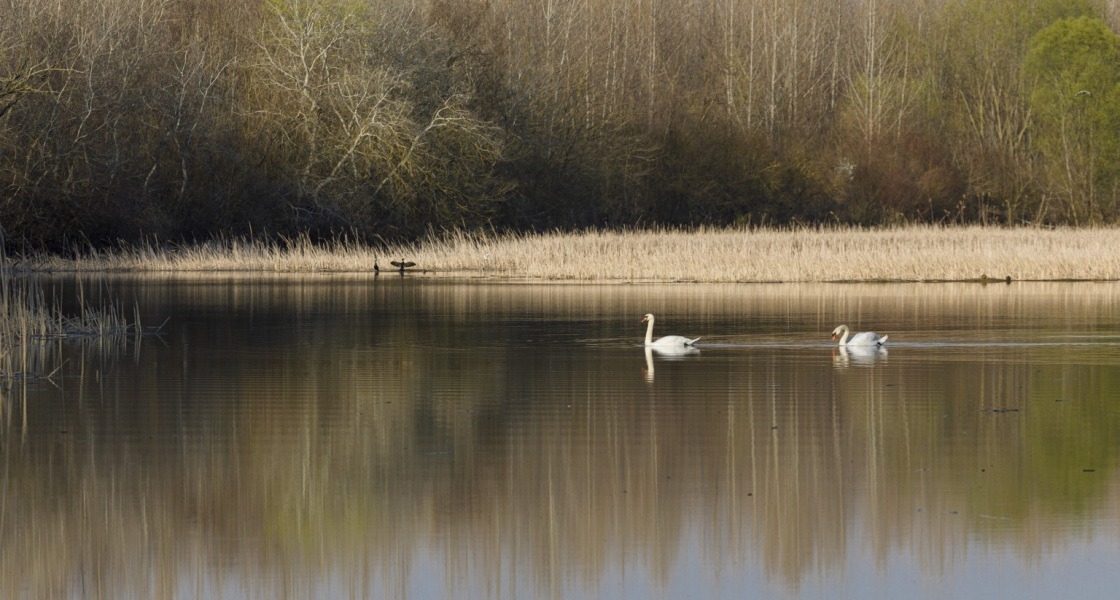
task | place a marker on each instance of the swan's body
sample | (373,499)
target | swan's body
(866,338)
(669,341)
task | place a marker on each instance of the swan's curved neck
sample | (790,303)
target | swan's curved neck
(649,331)
(844,335)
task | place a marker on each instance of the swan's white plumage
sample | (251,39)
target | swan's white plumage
(865,338)
(669,341)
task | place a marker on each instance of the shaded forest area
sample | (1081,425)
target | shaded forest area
(387,119)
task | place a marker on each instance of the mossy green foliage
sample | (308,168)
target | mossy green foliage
(1074,65)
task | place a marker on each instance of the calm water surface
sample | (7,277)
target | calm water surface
(344,437)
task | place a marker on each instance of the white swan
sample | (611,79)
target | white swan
(866,338)
(669,341)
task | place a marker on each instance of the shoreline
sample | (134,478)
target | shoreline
(910,254)
(466,277)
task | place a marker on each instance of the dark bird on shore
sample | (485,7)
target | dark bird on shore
(376,269)
(402,265)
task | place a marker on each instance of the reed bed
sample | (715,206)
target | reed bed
(27,320)
(828,254)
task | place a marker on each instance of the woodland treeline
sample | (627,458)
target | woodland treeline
(182,119)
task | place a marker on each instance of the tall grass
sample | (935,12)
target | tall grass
(28,320)
(909,253)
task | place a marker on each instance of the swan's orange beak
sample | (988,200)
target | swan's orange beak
(644,319)
(834,336)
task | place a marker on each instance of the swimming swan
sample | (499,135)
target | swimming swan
(678,341)
(866,338)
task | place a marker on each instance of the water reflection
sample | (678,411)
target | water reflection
(334,437)
(845,356)
(666,352)
(648,371)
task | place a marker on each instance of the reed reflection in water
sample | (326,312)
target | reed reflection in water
(343,437)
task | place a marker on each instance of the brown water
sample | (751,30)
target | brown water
(341,437)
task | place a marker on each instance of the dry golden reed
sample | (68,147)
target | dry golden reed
(908,253)
(27,320)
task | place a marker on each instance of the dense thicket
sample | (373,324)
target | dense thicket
(122,119)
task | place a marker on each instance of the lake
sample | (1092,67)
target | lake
(340,436)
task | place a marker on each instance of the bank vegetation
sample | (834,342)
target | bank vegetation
(387,119)
(29,322)
(823,254)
